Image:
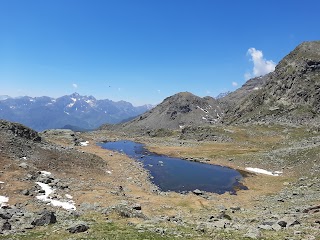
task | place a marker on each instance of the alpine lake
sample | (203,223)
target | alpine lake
(179,175)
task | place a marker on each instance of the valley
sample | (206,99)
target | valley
(61,184)
(138,209)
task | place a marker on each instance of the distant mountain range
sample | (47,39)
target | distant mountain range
(70,111)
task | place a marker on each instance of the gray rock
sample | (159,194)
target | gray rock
(197,192)
(235,208)
(23,165)
(219,224)
(46,218)
(78,228)
(276,227)
(253,233)
(265,227)
(4,214)
(136,206)
(6,226)
(25,192)
(125,211)
(288,222)
(282,224)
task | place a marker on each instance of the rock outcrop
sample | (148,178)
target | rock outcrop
(290,94)
(177,111)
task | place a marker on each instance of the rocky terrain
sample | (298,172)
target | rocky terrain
(105,194)
(290,94)
(175,112)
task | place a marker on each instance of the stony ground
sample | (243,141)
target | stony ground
(114,198)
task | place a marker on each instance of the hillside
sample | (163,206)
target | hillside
(84,112)
(290,94)
(177,111)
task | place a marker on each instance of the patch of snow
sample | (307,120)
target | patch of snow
(262,171)
(31,100)
(70,105)
(74,99)
(45,173)
(204,110)
(45,198)
(181,126)
(1,182)
(3,200)
(24,158)
(90,102)
(109,172)
(204,118)
(84,144)
(256,88)
(66,112)
(68,196)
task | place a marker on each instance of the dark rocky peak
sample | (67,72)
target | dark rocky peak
(177,111)
(75,95)
(304,57)
(289,94)
(186,99)
(19,130)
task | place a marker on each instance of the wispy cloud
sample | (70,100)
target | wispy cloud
(234,84)
(74,85)
(261,66)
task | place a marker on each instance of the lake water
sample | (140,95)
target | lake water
(174,174)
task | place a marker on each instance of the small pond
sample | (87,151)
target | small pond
(174,174)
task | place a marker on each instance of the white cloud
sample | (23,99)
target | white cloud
(74,85)
(235,84)
(261,66)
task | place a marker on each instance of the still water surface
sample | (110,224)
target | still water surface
(174,174)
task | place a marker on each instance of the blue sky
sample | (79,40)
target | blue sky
(142,51)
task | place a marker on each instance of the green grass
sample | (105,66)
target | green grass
(100,229)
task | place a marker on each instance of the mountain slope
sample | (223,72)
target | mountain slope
(80,111)
(177,111)
(289,94)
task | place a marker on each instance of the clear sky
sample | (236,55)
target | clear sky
(142,51)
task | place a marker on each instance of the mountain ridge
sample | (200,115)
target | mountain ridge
(289,94)
(85,112)
(177,111)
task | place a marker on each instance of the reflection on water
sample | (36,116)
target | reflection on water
(174,174)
